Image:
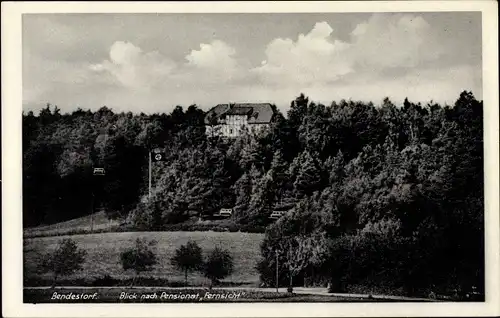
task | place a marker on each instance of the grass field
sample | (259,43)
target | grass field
(100,222)
(103,254)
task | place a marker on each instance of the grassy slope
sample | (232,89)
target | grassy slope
(104,253)
(100,222)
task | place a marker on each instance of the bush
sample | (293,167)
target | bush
(267,272)
(249,228)
(188,258)
(218,265)
(376,257)
(106,280)
(139,218)
(65,260)
(139,258)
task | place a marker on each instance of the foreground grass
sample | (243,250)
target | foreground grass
(165,295)
(103,254)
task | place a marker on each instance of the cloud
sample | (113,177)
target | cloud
(215,55)
(214,62)
(382,42)
(314,57)
(135,69)
(395,55)
(388,41)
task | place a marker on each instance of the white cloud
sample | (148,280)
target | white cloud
(316,63)
(135,69)
(387,41)
(384,41)
(214,55)
(314,57)
(138,70)
(213,63)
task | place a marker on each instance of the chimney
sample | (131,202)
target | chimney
(231,105)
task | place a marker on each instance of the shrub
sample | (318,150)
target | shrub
(188,258)
(65,260)
(106,280)
(218,265)
(139,258)
(375,256)
(140,218)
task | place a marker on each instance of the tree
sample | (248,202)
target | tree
(151,135)
(308,176)
(298,110)
(304,230)
(65,260)
(280,178)
(140,258)
(188,258)
(243,193)
(261,202)
(252,154)
(301,252)
(218,265)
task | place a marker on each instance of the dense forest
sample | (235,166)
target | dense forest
(387,194)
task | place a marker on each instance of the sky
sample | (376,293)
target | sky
(152,62)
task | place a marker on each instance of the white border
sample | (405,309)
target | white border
(11,167)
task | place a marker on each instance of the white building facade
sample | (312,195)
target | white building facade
(234,120)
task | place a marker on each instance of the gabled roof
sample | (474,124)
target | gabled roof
(240,111)
(214,113)
(257,112)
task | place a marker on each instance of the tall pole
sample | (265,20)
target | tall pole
(277,285)
(92,213)
(103,206)
(150,174)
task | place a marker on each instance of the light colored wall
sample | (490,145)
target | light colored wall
(233,126)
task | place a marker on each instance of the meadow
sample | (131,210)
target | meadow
(80,225)
(103,254)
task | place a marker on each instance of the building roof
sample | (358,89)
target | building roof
(240,111)
(214,113)
(258,113)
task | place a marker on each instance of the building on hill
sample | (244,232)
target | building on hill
(232,120)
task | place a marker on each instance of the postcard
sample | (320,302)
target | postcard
(250,159)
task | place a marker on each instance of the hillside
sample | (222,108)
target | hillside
(82,224)
(390,195)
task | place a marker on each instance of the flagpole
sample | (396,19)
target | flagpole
(92,213)
(150,174)
(277,272)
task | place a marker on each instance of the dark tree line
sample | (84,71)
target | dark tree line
(391,193)
(61,150)
(397,201)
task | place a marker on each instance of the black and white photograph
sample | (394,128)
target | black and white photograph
(272,158)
